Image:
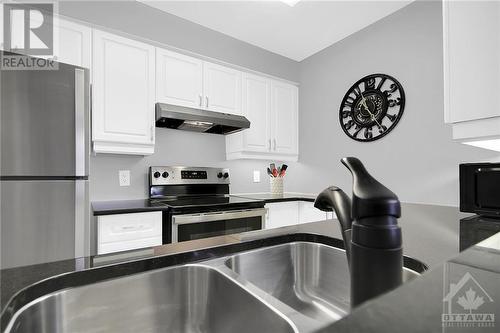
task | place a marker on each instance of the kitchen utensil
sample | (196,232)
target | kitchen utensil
(269,172)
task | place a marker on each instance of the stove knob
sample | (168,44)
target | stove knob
(219,175)
(226,174)
(156,174)
(164,174)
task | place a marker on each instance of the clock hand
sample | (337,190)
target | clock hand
(363,102)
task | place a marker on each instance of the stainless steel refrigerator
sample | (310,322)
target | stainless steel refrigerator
(44,156)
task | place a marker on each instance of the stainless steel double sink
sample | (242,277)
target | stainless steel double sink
(292,287)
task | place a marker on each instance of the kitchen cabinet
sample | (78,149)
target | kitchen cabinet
(190,82)
(284,130)
(256,107)
(179,79)
(123,95)
(222,88)
(272,108)
(309,213)
(281,214)
(123,232)
(71,43)
(471,52)
(74,45)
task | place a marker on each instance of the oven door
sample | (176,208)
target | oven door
(202,225)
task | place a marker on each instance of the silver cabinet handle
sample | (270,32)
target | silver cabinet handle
(274,141)
(201,100)
(206,99)
(152,133)
(269,142)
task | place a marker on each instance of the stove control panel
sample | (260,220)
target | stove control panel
(176,175)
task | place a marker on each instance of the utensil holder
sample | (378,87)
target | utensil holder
(276,185)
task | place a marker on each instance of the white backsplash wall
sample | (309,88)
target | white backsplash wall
(418,160)
(173,147)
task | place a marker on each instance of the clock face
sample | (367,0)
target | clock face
(372,107)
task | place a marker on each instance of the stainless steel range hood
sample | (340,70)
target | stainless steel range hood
(197,120)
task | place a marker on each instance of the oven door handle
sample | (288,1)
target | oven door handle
(209,217)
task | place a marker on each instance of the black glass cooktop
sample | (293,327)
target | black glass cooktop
(204,201)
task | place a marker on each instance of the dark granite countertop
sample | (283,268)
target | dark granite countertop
(123,206)
(460,295)
(287,196)
(430,233)
(144,205)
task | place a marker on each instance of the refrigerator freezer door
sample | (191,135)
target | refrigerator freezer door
(43,221)
(44,122)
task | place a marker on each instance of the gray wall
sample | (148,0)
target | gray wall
(157,26)
(418,159)
(174,147)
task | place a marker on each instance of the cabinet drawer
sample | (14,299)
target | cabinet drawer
(128,231)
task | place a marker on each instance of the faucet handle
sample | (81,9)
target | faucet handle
(369,197)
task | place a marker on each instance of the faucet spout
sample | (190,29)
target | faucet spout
(333,199)
(370,230)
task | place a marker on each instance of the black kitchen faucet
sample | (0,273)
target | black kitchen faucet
(370,231)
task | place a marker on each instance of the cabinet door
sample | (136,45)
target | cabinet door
(123,94)
(284,110)
(179,79)
(222,88)
(74,44)
(471,52)
(71,44)
(256,107)
(309,213)
(282,214)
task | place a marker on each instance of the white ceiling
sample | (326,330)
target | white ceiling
(295,32)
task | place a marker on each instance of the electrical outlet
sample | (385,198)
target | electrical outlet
(124,177)
(256,176)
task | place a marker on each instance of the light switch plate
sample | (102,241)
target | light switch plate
(256,176)
(124,176)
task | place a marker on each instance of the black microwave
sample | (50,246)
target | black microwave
(480,188)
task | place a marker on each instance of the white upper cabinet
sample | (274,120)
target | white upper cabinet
(71,44)
(123,95)
(187,81)
(284,99)
(179,79)
(472,68)
(257,109)
(222,88)
(271,106)
(74,45)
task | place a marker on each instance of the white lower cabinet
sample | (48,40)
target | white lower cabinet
(309,213)
(123,114)
(122,232)
(282,214)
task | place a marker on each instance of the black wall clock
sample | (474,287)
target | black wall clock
(372,107)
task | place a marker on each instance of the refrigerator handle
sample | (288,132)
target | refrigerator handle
(80,114)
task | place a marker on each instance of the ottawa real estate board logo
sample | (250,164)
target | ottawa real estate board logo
(466,305)
(28,36)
